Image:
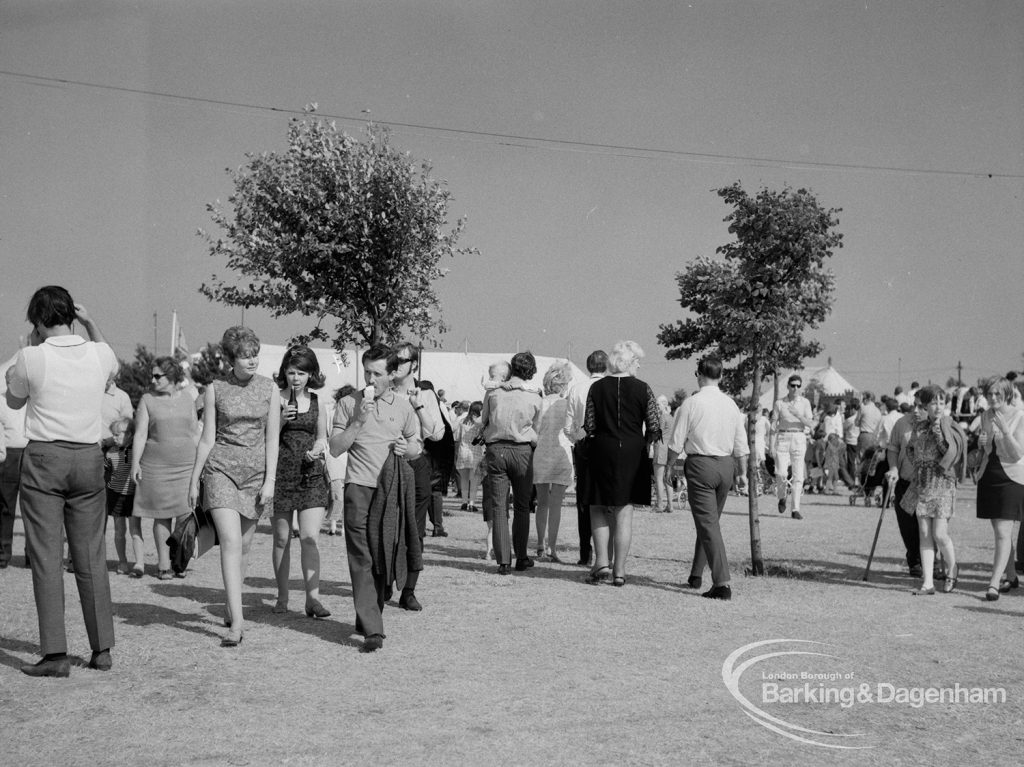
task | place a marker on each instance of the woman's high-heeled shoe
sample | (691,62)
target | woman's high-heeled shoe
(992,595)
(1005,585)
(232,639)
(598,575)
(951,578)
(619,580)
(316,610)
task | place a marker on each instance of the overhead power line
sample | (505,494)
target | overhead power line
(537,142)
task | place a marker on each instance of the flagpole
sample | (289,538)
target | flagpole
(174,331)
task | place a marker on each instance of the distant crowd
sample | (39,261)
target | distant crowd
(380,459)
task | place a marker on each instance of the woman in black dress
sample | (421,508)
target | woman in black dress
(619,406)
(1001,487)
(301,486)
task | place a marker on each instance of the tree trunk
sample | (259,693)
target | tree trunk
(756,561)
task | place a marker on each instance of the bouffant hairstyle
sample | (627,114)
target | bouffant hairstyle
(931,392)
(624,355)
(301,358)
(239,342)
(523,365)
(1000,386)
(51,306)
(170,368)
(557,378)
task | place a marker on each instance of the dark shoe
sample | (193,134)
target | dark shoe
(797,515)
(597,576)
(408,601)
(916,571)
(165,575)
(101,661)
(1005,586)
(373,643)
(136,572)
(719,592)
(440,532)
(992,595)
(231,639)
(523,564)
(619,580)
(316,610)
(58,667)
(694,582)
(583,562)
(504,569)
(464,507)
(950,583)
(782,506)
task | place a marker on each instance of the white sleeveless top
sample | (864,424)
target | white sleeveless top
(1014,471)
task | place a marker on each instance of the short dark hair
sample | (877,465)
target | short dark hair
(523,365)
(931,392)
(710,367)
(414,351)
(170,368)
(915,385)
(1011,376)
(796,378)
(866,396)
(898,390)
(379,352)
(343,391)
(51,306)
(301,358)
(597,362)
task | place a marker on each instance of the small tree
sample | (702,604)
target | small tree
(136,377)
(210,365)
(337,228)
(753,308)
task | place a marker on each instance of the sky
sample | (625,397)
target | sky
(582,140)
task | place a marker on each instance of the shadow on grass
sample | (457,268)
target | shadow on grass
(257,607)
(7,646)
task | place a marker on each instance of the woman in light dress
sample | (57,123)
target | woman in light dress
(552,460)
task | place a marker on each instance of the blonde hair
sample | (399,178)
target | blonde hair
(624,355)
(557,378)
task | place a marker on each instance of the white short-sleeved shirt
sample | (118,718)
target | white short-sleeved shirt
(64,379)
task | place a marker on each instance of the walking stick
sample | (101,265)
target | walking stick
(889,486)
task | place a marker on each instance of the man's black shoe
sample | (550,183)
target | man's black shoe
(59,667)
(694,581)
(797,515)
(719,592)
(101,661)
(408,601)
(523,564)
(916,571)
(440,532)
(373,643)
(782,506)
(504,569)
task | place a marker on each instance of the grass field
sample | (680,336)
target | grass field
(540,668)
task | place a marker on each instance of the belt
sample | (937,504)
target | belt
(508,442)
(788,431)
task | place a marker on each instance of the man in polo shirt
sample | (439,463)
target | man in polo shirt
(709,431)
(369,425)
(61,379)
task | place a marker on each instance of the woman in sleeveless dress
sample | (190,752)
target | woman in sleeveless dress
(237,462)
(1001,487)
(163,452)
(552,460)
(301,486)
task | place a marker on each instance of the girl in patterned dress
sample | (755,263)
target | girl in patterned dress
(237,461)
(301,487)
(934,486)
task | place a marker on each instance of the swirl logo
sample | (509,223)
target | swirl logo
(732,671)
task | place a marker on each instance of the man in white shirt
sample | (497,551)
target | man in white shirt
(791,417)
(61,378)
(709,430)
(597,366)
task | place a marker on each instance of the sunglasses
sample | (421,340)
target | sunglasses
(158,376)
(795,386)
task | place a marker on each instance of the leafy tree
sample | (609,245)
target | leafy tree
(135,377)
(210,365)
(753,307)
(337,228)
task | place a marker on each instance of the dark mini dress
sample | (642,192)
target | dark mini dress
(619,467)
(999,497)
(300,483)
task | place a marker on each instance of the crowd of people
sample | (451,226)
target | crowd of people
(250,448)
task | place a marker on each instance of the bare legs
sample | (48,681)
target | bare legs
(549,516)
(134,530)
(235,533)
(662,488)
(310,521)
(469,483)
(1002,560)
(935,532)
(161,532)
